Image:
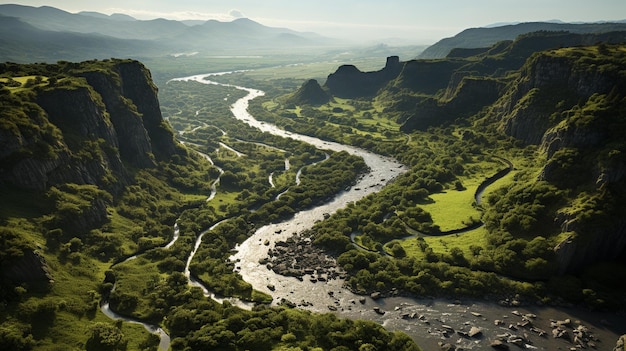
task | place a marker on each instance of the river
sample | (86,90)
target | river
(428,321)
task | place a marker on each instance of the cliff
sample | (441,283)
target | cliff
(571,102)
(465,96)
(85,127)
(72,137)
(81,130)
(349,82)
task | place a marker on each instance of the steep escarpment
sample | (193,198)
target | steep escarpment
(349,82)
(562,95)
(571,103)
(82,126)
(464,97)
(131,97)
(550,84)
(485,37)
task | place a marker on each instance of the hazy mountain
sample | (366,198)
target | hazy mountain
(485,37)
(53,19)
(49,34)
(114,16)
(22,42)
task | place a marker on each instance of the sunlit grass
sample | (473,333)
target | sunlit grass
(453,209)
(443,244)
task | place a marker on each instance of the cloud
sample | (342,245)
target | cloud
(177,15)
(236,14)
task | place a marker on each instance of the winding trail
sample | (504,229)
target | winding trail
(472,226)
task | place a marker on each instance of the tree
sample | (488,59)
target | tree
(106,337)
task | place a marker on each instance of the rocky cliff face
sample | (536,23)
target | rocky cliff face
(570,102)
(549,84)
(83,133)
(465,96)
(349,82)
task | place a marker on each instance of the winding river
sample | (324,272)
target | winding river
(429,321)
(433,317)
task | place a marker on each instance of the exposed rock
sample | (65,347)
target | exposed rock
(349,82)
(376,295)
(31,269)
(310,93)
(115,118)
(297,257)
(475,332)
(499,345)
(463,98)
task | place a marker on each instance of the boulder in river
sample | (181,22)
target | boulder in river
(475,332)
(499,345)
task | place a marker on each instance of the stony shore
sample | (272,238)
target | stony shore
(297,257)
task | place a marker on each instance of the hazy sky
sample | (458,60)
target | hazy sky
(424,22)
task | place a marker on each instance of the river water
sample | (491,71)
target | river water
(428,321)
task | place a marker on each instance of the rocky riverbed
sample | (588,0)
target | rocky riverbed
(507,324)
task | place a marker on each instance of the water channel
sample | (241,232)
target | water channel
(430,322)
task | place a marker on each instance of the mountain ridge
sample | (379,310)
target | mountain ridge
(482,37)
(84,36)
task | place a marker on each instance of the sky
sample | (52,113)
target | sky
(414,21)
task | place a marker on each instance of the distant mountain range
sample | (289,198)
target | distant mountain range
(31,34)
(485,37)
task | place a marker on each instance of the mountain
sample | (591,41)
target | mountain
(485,37)
(22,42)
(32,34)
(52,19)
(115,16)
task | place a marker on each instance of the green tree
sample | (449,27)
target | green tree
(106,337)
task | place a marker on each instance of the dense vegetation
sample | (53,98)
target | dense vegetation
(557,193)
(105,241)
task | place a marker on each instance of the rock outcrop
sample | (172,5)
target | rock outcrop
(310,93)
(568,104)
(349,82)
(546,85)
(465,96)
(30,269)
